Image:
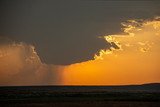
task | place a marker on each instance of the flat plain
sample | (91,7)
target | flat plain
(147,95)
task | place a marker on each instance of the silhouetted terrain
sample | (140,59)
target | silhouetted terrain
(145,95)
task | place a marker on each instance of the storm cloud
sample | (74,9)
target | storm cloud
(66,32)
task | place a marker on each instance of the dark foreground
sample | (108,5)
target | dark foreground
(81,96)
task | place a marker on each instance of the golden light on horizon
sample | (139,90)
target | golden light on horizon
(133,58)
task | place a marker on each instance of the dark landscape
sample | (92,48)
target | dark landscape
(147,95)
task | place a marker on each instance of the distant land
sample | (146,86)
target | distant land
(150,87)
(144,95)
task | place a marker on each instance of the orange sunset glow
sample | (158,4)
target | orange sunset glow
(133,58)
(135,61)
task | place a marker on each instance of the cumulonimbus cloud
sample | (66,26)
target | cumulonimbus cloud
(133,58)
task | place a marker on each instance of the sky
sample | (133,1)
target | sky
(79,42)
(66,32)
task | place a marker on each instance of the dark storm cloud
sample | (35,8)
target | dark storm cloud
(67,31)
